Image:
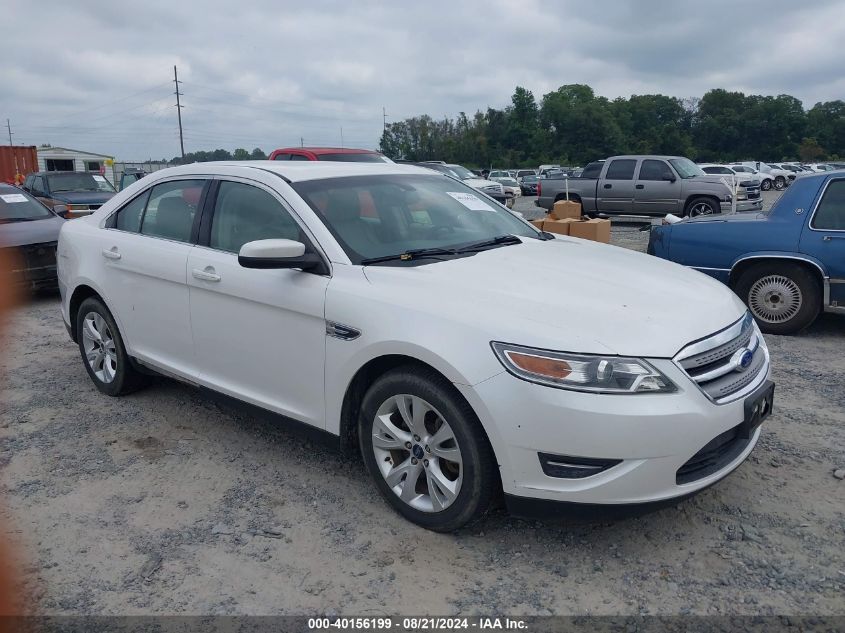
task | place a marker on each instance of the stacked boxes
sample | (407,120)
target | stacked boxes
(565,219)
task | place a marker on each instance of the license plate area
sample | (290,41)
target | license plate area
(758,407)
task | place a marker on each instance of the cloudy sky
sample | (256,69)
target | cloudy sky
(98,76)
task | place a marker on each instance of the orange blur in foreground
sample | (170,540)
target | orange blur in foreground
(9,601)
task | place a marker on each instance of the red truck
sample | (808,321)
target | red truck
(16,161)
(338,154)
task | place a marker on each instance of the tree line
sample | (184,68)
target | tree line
(219,154)
(573,126)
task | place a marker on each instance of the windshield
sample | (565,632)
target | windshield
(17,206)
(686,168)
(74,181)
(389,214)
(462,172)
(346,157)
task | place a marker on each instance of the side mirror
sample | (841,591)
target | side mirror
(277,254)
(669,177)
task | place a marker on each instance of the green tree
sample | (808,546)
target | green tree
(241,154)
(810,151)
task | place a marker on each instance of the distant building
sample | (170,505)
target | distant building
(65,159)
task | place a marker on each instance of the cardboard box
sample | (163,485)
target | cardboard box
(596,230)
(538,222)
(564,209)
(561,227)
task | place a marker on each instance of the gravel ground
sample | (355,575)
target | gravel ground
(167,502)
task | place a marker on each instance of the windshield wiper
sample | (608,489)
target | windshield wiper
(496,241)
(415,253)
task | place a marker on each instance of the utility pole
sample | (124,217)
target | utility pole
(14,154)
(341,136)
(179,107)
(9,127)
(384,117)
(301,142)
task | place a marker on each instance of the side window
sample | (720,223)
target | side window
(28,182)
(129,217)
(243,213)
(655,170)
(621,169)
(38,186)
(282,157)
(298,157)
(831,212)
(171,209)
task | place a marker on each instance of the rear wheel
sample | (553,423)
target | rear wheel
(103,352)
(426,450)
(702,206)
(783,297)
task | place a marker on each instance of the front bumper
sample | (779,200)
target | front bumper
(743,205)
(653,435)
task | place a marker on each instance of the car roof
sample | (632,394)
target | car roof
(296,171)
(327,150)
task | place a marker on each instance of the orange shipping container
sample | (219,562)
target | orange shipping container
(17,159)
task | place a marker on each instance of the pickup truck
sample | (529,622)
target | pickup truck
(787,264)
(644,185)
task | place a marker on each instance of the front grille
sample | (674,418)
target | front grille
(716,454)
(34,263)
(714,363)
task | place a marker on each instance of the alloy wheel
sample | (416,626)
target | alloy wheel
(98,343)
(701,208)
(417,453)
(775,298)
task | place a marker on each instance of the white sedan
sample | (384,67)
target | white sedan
(401,311)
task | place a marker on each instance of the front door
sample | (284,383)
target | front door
(824,238)
(657,190)
(259,335)
(616,190)
(144,258)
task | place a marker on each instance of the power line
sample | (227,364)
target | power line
(179,111)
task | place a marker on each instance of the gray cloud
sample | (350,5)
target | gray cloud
(266,73)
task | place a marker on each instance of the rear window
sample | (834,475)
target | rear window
(344,157)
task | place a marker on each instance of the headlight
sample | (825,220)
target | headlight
(581,372)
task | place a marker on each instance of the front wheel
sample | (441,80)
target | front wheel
(766,184)
(783,297)
(426,450)
(780,183)
(702,206)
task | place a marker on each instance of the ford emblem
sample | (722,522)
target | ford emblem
(742,359)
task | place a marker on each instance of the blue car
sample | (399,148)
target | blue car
(787,264)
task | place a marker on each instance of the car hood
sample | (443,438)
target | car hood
(32,232)
(480,183)
(569,295)
(82,197)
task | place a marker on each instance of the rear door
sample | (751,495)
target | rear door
(145,255)
(657,190)
(615,192)
(824,237)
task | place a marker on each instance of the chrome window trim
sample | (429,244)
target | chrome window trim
(816,208)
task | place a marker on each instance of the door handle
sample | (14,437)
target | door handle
(206,275)
(608,186)
(640,186)
(827,238)
(111,253)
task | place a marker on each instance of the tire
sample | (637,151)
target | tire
(472,481)
(702,206)
(780,183)
(784,298)
(102,350)
(766,184)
